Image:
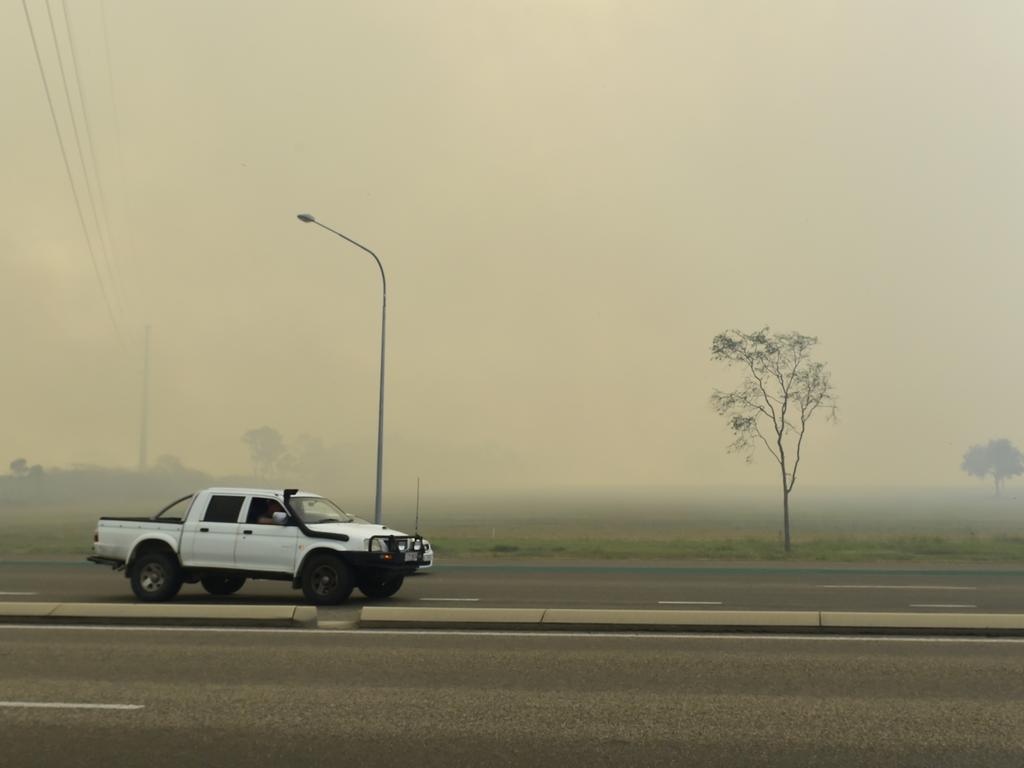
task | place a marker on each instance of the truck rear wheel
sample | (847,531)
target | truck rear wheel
(377,586)
(155,577)
(327,580)
(217,584)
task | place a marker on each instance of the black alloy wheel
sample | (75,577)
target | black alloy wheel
(327,580)
(378,586)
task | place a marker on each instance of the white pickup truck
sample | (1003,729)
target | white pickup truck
(220,537)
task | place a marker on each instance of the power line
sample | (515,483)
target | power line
(71,179)
(92,150)
(81,160)
(130,233)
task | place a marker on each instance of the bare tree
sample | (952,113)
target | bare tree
(781,391)
(999,458)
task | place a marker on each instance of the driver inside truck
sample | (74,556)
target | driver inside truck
(267,512)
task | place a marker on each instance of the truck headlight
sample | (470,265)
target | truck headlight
(378,545)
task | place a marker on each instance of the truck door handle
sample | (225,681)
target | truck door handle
(249,533)
(204,530)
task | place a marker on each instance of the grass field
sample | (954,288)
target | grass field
(903,525)
(880,548)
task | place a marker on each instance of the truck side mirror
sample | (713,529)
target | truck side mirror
(280,518)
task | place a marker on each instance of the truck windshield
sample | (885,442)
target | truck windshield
(313,509)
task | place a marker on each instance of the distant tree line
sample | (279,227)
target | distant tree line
(21,468)
(306,458)
(304,461)
(33,484)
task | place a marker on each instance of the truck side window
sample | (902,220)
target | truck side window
(261,511)
(223,509)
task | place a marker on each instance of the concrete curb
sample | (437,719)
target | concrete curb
(338,625)
(444,618)
(747,621)
(304,616)
(591,620)
(926,623)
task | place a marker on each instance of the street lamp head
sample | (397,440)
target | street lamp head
(307,217)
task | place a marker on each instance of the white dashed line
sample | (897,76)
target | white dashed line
(18,593)
(941,605)
(451,599)
(887,586)
(689,602)
(66,705)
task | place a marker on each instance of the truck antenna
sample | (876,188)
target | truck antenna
(144,425)
(417,531)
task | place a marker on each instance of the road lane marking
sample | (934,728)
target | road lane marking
(18,593)
(65,705)
(689,602)
(887,586)
(941,605)
(451,599)
(696,636)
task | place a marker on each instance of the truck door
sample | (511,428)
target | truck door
(264,544)
(208,538)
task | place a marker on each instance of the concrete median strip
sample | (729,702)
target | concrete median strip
(20,611)
(951,623)
(535,619)
(461,618)
(161,614)
(395,617)
(575,618)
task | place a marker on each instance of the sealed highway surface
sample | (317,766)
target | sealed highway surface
(87,697)
(609,585)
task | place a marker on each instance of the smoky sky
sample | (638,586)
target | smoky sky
(570,200)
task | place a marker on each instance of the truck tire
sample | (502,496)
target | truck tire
(222,585)
(378,586)
(155,576)
(327,580)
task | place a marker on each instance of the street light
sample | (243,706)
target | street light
(378,518)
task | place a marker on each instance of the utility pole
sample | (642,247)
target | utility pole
(143,434)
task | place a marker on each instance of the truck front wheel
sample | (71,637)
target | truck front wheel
(327,580)
(155,577)
(377,586)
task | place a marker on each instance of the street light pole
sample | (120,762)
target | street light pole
(378,516)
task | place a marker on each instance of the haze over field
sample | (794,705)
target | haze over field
(570,200)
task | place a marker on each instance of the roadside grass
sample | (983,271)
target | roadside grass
(40,531)
(743,547)
(841,530)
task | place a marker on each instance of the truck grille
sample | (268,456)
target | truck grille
(400,543)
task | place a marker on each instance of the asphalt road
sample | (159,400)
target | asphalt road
(291,697)
(574,585)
